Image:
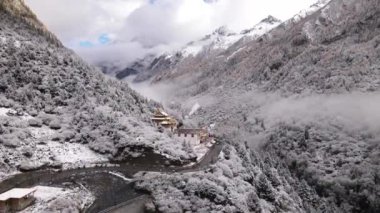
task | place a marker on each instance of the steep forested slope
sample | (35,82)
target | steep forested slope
(306,94)
(47,93)
(332,50)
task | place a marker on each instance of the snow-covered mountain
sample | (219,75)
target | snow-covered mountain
(222,38)
(303,96)
(212,44)
(296,106)
(57,110)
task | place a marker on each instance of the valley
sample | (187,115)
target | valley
(293,107)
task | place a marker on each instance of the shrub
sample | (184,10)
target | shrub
(10,141)
(253,202)
(55,124)
(35,122)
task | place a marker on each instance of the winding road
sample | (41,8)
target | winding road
(111,191)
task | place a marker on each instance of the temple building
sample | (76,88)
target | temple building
(16,199)
(161,118)
(194,136)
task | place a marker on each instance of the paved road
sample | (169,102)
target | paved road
(117,196)
(136,205)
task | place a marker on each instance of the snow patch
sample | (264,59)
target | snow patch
(192,50)
(120,176)
(47,193)
(3,111)
(234,53)
(3,40)
(6,111)
(201,150)
(17,44)
(42,133)
(53,199)
(308,30)
(194,109)
(74,153)
(260,29)
(304,13)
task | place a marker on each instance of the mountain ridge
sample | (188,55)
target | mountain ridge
(20,10)
(211,44)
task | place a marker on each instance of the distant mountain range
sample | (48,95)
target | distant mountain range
(219,40)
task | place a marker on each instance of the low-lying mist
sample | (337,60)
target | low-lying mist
(350,111)
(354,111)
(157,92)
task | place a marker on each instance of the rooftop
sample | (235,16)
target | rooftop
(160,113)
(16,193)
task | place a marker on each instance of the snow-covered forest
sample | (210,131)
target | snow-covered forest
(294,104)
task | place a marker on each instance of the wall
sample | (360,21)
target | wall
(193,140)
(20,204)
(3,207)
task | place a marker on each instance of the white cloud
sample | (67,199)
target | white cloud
(135,26)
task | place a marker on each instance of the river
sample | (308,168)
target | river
(109,190)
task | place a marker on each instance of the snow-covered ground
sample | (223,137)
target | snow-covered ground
(224,188)
(68,154)
(194,109)
(306,12)
(52,199)
(5,111)
(71,153)
(33,147)
(202,149)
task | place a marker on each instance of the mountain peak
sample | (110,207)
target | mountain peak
(223,31)
(271,20)
(262,27)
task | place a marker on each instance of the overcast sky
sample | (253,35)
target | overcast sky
(123,30)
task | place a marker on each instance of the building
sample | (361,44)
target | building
(161,118)
(193,136)
(16,199)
